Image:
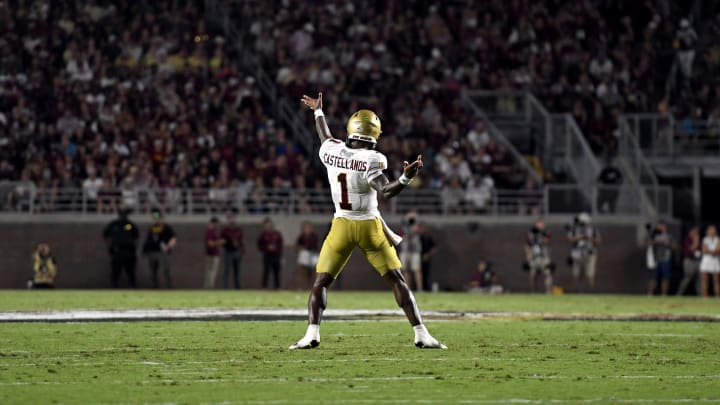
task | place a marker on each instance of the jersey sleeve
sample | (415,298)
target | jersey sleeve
(376,164)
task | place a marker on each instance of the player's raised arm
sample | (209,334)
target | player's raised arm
(391,189)
(315,104)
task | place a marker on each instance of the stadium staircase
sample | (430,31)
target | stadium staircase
(682,153)
(557,140)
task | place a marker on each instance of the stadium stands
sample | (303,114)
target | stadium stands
(108,103)
(121,97)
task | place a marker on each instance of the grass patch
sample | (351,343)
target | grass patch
(357,362)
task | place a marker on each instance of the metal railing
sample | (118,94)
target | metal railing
(570,146)
(632,159)
(468,99)
(557,139)
(662,136)
(542,123)
(551,199)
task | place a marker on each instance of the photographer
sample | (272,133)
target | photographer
(661,243)
(484,280)
(537,256)
(44,268)
(583,255)
(410,251)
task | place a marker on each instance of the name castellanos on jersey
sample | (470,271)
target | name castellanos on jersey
(345,163)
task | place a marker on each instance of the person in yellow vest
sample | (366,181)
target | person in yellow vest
(44,268)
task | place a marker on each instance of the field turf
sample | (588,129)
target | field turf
(497,360)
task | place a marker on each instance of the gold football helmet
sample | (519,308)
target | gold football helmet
(365,126)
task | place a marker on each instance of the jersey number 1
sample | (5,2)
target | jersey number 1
(344,200)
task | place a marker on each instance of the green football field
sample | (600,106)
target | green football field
(517,357)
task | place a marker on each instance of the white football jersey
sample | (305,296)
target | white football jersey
(350,172)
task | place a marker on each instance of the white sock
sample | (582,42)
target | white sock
(420,331)
(313,332)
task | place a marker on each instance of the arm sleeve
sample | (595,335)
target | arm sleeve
(376,164)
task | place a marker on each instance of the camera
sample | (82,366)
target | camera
(575,223)
(410,218)
(652,229)
(536,231)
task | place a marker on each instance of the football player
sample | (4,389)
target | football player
(355,171)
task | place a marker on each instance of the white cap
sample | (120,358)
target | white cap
(584,218)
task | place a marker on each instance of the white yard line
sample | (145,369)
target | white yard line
(171,366)
(287,314)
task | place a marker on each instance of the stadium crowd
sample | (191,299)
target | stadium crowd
(130,96)
(409,60)
(124,97)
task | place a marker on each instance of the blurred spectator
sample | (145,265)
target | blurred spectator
(159,243)
(91,189)
(308,245)
(479,194)
(270,244)
(410,251)
(484,280)
(213,244)
(24,192)
(601,66)
(532,201)
(121,236)
(685,39)
(537,256)
(452,196)
(428,249)
(692,253)
(609,181)
(44,268)
(661,242)
(234,248)
(478,136)
(585,239)
(710,262)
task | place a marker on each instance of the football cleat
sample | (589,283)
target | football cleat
(305,344)
(429,342)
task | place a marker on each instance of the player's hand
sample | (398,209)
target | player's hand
(411,170)
(313,103)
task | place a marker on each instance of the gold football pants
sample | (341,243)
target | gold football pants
(368,235)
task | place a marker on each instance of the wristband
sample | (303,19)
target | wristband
(404,180)
(319,113)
